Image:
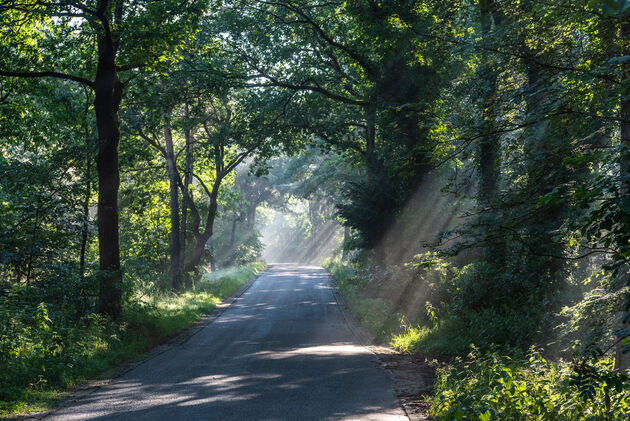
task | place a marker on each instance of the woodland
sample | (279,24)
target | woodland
(462,168)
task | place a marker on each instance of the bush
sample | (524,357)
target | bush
(43,351)
(454,332)
(525,386)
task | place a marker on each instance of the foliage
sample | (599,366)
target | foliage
(386,302)
(453,333)
(526,386)
(44,348)
(476,153)
(374,313)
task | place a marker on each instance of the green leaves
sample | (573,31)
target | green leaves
(611,7)
(528,387)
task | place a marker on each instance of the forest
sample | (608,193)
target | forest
(462,169)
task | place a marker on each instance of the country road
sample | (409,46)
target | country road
(282,351)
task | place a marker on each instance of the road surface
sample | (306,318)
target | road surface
(282,351)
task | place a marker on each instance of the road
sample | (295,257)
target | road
(282,351)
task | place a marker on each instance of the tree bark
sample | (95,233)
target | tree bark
(187,180)
(370,128)
(544,172)
(176,273)
(346,238)
(107,97)
(213,262)
(201,238)
(86,220)
(87,194)
(489,143)
(233,241)
(31,248)
(251,215)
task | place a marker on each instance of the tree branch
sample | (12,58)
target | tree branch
(202,184)
(363,62)
(153,143)
(52,74)
(306,87)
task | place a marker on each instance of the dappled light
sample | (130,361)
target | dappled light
(275,345)
(276,200)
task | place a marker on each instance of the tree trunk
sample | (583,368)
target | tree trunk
(346,238)
(545,171)
(31,248)
(370,128)
(489,143)
(233,242)
(86,205)
(197,253)
(251,216)
(107,96)
(314,208)
(185,197)
(202,238)
(213,262)
(489,151)
(176,274)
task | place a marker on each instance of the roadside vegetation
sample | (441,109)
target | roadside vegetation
(492,370)
(511,384)
(467,163)
(46,349)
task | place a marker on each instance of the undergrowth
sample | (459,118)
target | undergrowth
(43,353)
(493,382)
(375,314)
(514,385)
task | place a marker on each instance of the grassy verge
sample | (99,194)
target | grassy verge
(42,356)
(374,314)
(496,383)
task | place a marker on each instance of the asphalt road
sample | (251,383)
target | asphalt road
(282,351)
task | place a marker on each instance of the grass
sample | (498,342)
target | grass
(389,326)
(446,329)
(445,337)
(44,357)
(375,314)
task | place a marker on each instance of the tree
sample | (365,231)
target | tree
(126,36)
(358,55)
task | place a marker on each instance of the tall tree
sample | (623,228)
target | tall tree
(369,57)
(489,149)
(127,36)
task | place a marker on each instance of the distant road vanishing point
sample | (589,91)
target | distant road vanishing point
(282,351)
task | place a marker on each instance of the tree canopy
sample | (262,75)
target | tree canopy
(470,159)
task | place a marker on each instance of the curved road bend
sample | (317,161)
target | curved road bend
(282,351)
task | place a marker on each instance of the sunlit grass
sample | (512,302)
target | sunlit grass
(378,316)
(406,342)
(44,363)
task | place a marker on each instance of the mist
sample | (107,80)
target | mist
(290,238)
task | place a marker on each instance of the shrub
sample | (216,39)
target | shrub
(526,386)
(44,349)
